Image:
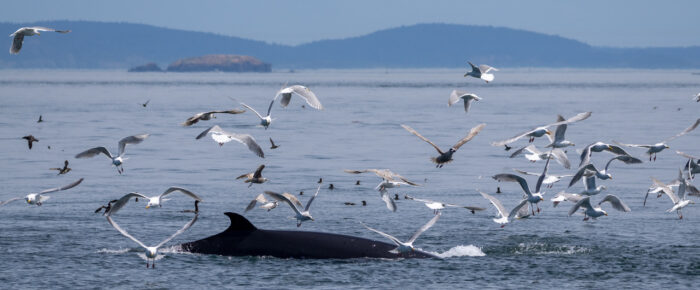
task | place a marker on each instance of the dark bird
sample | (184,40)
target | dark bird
(30,139)
(272,144)
(145,104)
(196,208)
(106,207)
(446,157)
(254,177)
(357,182)
(205,116)
(63,170)
(301,193)
(349,203)
(40,119)
(396,196)
(364,203)
(320,180)
(331,186)
(507,147)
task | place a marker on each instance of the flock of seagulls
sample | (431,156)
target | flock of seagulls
(528,205)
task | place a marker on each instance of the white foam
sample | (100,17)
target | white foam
(110,251)
(461,251)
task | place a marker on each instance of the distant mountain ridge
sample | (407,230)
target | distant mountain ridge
(123,45)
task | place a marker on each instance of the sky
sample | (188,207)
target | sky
(641,23)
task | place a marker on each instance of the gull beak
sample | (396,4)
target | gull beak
(610,147)
(541,198)
(312,219)
(148,206)
(548,132)
(611,177)
(606,214)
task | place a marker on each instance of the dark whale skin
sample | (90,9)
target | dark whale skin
(241,238)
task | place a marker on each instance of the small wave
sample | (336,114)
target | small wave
(547,249)
(110,251)
(461,251)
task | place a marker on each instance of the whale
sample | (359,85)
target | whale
(242,238)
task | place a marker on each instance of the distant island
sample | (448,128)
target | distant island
(220,62)
(149,67)
(105,45)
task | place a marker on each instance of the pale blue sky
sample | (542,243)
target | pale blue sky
(608,23)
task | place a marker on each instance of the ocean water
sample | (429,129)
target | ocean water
(63,244)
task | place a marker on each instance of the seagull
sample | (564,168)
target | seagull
(40,119)
(563,196)
(152,252)
(599,147)
(549,179)
(537,155)
(481,72)
(205,116)
(40,198)
(456,95)
(385,174)
(658,187)
(590,169)
(30,139)
(446,157)
(691,165)
(221,137)
(63,170)
(117,160)
(542,130)
(679,201)
(273,145)
(502,213)
(658,147)
(28,31)
(591,189)
(268,205)
(406,247)
(436,206)
(532,198)
(153,201)
(597,211)
(145,104)
(254,177)
(301,216)
(264,121)
(559,139)
(301,91)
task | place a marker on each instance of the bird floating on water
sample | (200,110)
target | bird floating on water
(28,31)
(117,160)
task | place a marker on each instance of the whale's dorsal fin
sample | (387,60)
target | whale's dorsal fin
(239,223)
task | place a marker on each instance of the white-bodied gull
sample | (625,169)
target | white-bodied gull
(117,160)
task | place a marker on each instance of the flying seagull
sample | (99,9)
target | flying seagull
(39,198)
(590,169)
(658,147)
(481,72)
(385,174)
(152,252)
(254,177)
(221,137)
(504,216)
(559,138)
(599,147)
(436,206)
(302,215)
(680,200)
(301,91)
(537,155)
(532,198)
(405,247)
(28,31)
(268,205)
(594,212)
(153,201)
(549,179)
(264,121)
(446,157)
(467,98)
(117,160)
(205,116)
(542,130)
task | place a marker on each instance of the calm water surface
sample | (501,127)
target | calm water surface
(63,244)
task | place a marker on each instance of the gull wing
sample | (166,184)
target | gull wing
(414,132)
(517,208)
(686,131)
(561,129)
(578,117)
(10,200)
(122,202)
(232,111)
(468,101)
(390,204)
(258,172)
(616,203)
(563,196)
(124,232)
(687,155)
(473,132)
(525,172)
(247,175)
(94,151)
(485,68)
(585,202)
(17,43)
(40,28)
(529,148)
(180,189)
(514,138)
(507,177)
(69,186)
(586,155)
(293,198)
(581,171)
(194,119)
(474,68)
(455,96)
(269,108)
(384,174)
(496,203)
(667,190)
(589,182)
(388,236)
(544,174)
(260,198)
(616,150)
(692,190)
(633,145)
(424,228)
(284,198)
(254,111)
(307,95)
(180,231)
(308,204)
(136,139)
(560,157)
(624,158)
